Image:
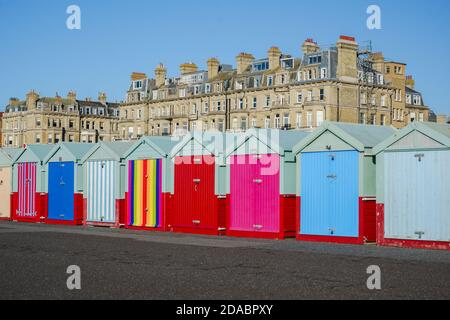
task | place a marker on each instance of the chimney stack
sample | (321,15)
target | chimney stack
(72,96)
(244,60)
(213,68)
(347,69)
(410,83)
(32,98)
(309,46)
(274,55)
(160,75)
(102,97)
(187,68)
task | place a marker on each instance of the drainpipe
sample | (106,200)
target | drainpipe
(338,118)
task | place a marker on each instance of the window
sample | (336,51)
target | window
(182,93)
(398,95)
(277,121)
(309,119)
(388,69)
(194,109)
(363,98)
(383,120)
(299,98)
(383,101)
(50,138)
(398,70)
(270,81)
(380,79)
(235,123)
(71,124)
(241,103)
(310,95)
(88,124)
(412,117)
(417,100)
(38,122)
(196,89)
(315,59)
(370,78)
(323,73)
(362,118)
(319,117)
(408,99)
(194,126)
(243,123)
(373,119)
(221,126)
(255,102)
(286,120)
(421,117)
(373,100)
(137,84)
(322,94)
(254,123)
(57,138)
(207,88)
(218,105)
(71,138)
(267,101)
(38,138)
(299,120)
(102,126)
(267,123)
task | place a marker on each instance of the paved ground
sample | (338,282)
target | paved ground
(120,264)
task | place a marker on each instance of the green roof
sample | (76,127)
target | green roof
(119,148)
(39,150)
(279,141)
(11,152)
(359,136)
(436,131)
(78,150)
(164,143)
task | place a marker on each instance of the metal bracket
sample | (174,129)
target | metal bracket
(419,156)
(419,233)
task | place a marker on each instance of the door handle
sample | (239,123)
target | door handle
(259,181)
(332,176)
(332,231)
(420,234)
(196,181)
(196,222)
(257,226)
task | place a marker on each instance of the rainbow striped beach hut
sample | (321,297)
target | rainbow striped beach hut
(148,191)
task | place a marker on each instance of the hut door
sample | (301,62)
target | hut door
(27,190)
(204,192)
(243,198)
(145,193)
(267,194)
(5,191)
(61,191)
(101,188)
(343,194)
(416,189)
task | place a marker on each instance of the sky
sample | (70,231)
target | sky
(118,37)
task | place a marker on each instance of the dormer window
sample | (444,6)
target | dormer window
(315,59)
(287,63)
(137,85)
(417,100)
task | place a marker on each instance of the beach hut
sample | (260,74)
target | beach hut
(6,158)
(148,183)
(198,200)
(336,173)
(65,183)
(261,186)
(104,184)
(413,187)
(30,184)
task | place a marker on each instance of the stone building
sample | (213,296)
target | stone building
(49,120)
(346,82)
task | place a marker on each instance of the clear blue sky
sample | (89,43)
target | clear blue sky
(37,51)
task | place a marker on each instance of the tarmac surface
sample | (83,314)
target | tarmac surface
(123,264)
